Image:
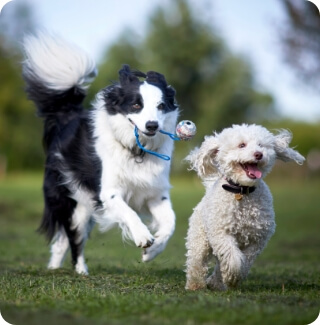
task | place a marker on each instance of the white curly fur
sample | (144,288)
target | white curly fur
(233,232)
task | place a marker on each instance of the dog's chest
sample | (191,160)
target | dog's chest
(135,181)
(246,223)
(247,220)
(250,219)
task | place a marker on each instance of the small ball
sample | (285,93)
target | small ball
(186,130)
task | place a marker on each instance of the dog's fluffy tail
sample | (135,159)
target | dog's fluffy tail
(56,73)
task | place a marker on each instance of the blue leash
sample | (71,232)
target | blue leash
(172,136)
(159,155)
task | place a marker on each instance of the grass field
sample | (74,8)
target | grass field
(283,287)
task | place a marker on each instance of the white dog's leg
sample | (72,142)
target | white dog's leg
(198,254)
(252,251)
(215,281)
(163,223)
(59,248)
(250,254)
(82,223)
(116,211)
(231,259)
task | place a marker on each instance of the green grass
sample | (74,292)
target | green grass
(282,288)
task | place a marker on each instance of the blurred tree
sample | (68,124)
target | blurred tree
(301,39)
(214,87)
(125,50)
(16,21)
(20,130)
(305,135)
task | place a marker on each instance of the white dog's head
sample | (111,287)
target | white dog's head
(242,153)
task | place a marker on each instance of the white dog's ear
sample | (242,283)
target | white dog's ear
(202,159)
(284,153)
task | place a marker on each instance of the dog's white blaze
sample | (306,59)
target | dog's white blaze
(152,96)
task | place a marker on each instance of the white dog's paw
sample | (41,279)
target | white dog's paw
(55,262)
(52,266)
(81,268)
(143,237)
(232,270)
(151,252)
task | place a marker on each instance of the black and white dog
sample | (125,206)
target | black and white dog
(95,172)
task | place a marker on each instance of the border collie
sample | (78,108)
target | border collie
(94,170)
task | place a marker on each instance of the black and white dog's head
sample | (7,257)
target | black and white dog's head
(149,105)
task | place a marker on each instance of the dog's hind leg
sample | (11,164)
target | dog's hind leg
(57,213)
(78,231)
(75,225)
(198,254)
(215,282)
(59,249)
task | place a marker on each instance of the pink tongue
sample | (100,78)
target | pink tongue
(254,171)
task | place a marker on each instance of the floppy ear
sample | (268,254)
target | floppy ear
(127,76)
(156,78)
(202,159)
(284,153)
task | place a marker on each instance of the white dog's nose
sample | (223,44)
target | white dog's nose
(258,155)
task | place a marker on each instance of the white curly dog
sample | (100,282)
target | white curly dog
(235,219)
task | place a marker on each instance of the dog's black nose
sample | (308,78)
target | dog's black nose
(152,126)
(258,155)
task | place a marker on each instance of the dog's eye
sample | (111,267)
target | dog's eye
(136,106)
(242,145)
(161,106)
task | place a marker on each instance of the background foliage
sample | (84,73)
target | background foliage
(215,87)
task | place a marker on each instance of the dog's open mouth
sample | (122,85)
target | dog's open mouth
(252,170)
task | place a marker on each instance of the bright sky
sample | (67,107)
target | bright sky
(250,27)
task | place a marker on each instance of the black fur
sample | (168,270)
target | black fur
(66,126)
(73,139)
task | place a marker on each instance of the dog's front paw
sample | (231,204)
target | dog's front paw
(232,270)
(150,253)
(143,238)
(195,286)
(146,244)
